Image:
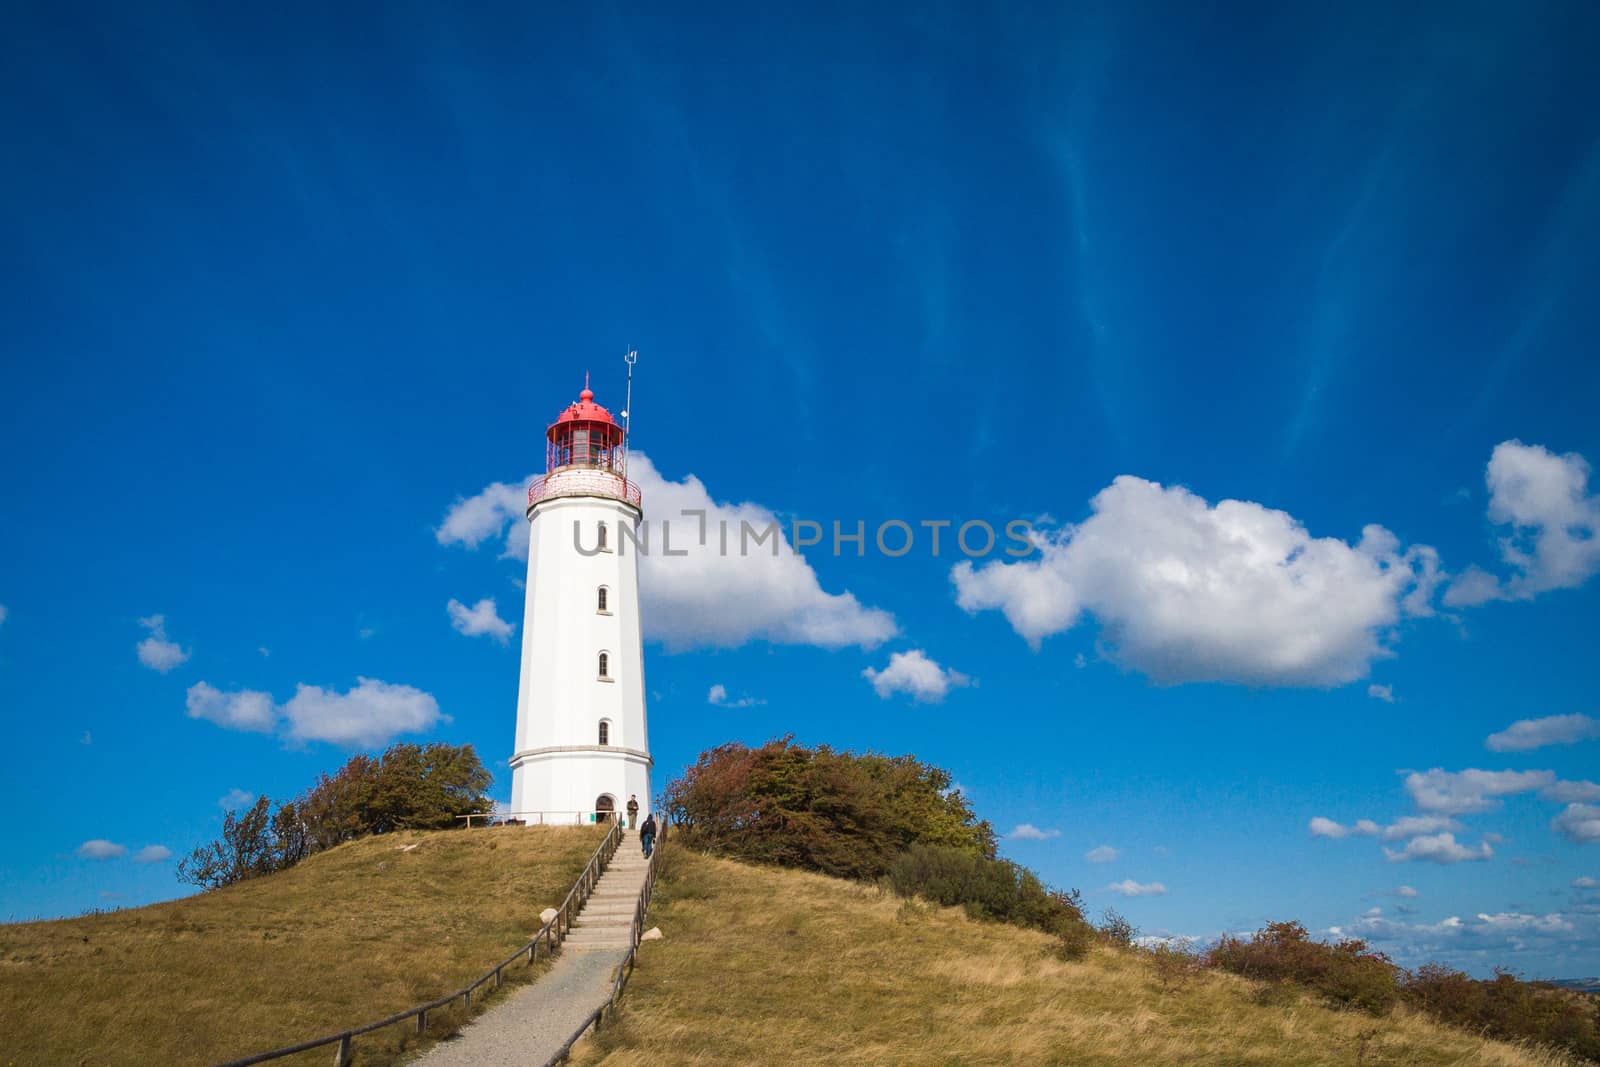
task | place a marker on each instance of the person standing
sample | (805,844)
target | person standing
(647,835)
(633,811)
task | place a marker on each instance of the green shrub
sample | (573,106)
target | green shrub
(410,787)
(1346,972)
(986,888)
(818,809)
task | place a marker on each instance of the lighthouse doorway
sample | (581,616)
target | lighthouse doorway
(605,807)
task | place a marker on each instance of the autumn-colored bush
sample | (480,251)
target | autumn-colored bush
(839,813)
(1507,1008)
(1115,929)
(1346,972)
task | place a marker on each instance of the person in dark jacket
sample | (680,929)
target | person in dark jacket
(647,835)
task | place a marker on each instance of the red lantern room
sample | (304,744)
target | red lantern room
(586,454)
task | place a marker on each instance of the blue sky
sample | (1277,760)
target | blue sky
(293,293)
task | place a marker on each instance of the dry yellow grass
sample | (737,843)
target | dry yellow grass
(761,966)
(348,936)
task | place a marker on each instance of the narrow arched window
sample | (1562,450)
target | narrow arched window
(605,663)
(602,542)
(605,732)
(600,599)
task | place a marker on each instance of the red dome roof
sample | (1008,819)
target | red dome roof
(585,410)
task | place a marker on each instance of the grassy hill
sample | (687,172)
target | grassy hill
(349,935)
(761,964)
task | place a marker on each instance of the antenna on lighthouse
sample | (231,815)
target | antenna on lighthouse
(627,411)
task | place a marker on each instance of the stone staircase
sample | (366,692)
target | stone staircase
(606,921)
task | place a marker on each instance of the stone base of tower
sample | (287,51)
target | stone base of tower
(567,787)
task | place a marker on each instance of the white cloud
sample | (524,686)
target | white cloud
(1129,888)
(1372,912)
(364,717)
(1188,591)
(1578,823)
(914,674)
(1569,792)
(158,652)
(1585,883)
(1407,892)
(1103,854)
(1438,848)
(479,620)
(3,614)
(719,697)
(246,709)
(1402,828)
(265,651)
(485,516)
(1417,825)
(101,849)
(1545,924)
(153,854)
(1554,538)
(1029,832)
(1473,790)
(1483,941)
(1384,693)
(234,799)
(1526,734)
(704,597)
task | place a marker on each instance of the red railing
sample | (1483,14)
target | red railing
(584,481)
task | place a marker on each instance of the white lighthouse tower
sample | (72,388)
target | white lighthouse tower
(581,746)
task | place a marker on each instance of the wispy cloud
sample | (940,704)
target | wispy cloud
(100,849)
(1527,734)
(1129,888)
(157,651)
(1028,832)
(235,798)
(718,696)
(480,620)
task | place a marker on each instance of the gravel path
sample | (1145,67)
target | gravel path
(527,1028)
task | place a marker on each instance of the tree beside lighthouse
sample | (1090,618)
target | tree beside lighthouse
(581,748)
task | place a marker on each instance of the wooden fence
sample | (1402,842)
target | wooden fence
(551,933)
(625,968)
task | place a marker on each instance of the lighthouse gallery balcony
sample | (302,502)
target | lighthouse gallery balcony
(584,481)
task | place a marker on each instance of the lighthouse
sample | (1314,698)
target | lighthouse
(581,747)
